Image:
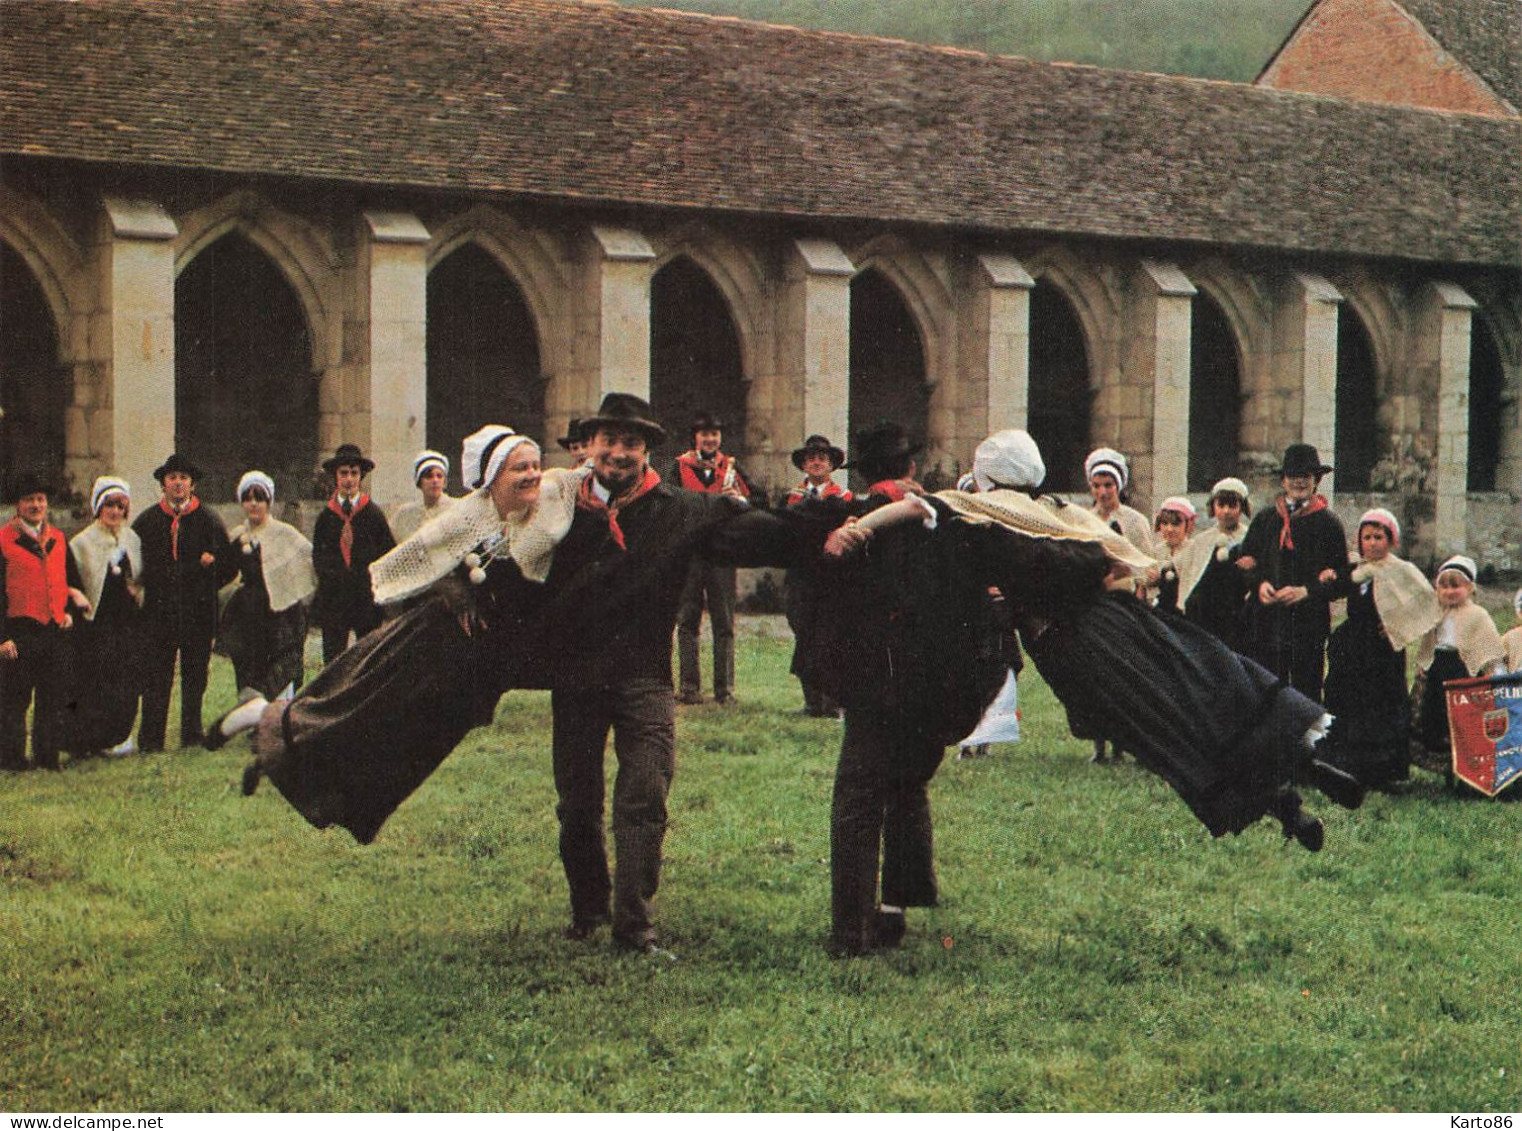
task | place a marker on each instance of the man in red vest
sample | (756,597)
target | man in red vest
(706,469)
(35,590)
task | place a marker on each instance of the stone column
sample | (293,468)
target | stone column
(398,397)
(1445,315)
(814,328)
(1002,297)
(1305,371)
(1154,418)
(134,429)
(625,266)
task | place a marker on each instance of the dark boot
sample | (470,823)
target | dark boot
(1297,823)
(1341,787)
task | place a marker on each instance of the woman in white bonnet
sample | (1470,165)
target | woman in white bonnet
(263,626)
(381,717)
(430,474)
(107,646)
(1391,604)
(1225,734)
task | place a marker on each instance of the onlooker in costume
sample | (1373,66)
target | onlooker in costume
(108,670)
(1173,526)
(430,474)
(614,589)
(1464,643)
(1390,604)
(885,460)
(350,533)
(803,600)
(1513,638)
(1224,733)
(263,628)
(1109,475)
(575,441)
(707,470)
(37,583)
(184,559)
(1212,582)
(1292,546)
(374,723)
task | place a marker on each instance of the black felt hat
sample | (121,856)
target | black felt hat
(705,421)
(575,433)
(176,462)
(881,446)
(1303,459)
(24,483)
(348,455)
(818,445)
(625,410)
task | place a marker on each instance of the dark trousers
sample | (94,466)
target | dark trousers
(38,677)
(714,585)
(642,717)
(881,807)
(1293,650)
(164,638)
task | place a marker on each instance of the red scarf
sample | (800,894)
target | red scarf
(587,500)
(1311,506)
(174,521)
(890,489)
(830,490)
(346,539)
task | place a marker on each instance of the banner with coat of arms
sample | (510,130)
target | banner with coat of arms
(1485,722)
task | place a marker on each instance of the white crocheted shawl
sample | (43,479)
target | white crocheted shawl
(285,559)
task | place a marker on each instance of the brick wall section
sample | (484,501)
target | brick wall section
(1374,51)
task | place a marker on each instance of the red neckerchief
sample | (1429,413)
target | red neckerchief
(587,500)
(174,521)
(1310,506)
(830,490)
(889,488)
(346,539)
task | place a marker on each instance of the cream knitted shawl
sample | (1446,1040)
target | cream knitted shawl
(1478,639)
(1403,597)
(1046,517)
(472,525)
(1195,556)
(285,559)
(95,548)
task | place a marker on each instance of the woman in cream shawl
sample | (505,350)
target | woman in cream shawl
(109,558)
(1391,605)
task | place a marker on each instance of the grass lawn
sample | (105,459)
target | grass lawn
(166,944)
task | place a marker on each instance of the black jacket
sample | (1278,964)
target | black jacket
(343,591)
(182,588)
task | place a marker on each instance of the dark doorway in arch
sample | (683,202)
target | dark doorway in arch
(245,392)
(1487,382)
(888,379)
(1061,398)
(1358,446)
(694,359)
(34,388)
(482,354)
(1215,395)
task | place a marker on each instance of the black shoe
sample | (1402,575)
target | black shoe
(888,928)
(579,932)
(251,775)
(725,700)
(214,739)
(1308,830)
(690,698)
(1340,786)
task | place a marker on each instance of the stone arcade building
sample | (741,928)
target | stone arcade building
(252,229)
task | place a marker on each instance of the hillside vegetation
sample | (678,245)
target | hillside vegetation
(1222,39)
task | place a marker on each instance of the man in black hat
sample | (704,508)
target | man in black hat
(1296,558)
(185,562)
(575,441)
(707,470)
(885,459)
(37,582)
(350,533)
(805,602)
(614,589)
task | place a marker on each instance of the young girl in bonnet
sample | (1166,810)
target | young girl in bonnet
(1391,604)
(1513,639)
(1173,526)
(1463,643)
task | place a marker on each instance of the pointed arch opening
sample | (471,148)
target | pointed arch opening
(35,388)
(1061,396)
(695,359)
(1215,395)
(1487,383)
(1357,436)
(482,352)
(887,360)
(242,353)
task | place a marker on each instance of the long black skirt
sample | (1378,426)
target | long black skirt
(1220,729)
(1366,691)
(376,722)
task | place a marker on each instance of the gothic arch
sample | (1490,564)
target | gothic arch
(54,259)
(1093,299)
(301,254)
(737,272)
(1384,322)
(925,293)
(1247,312)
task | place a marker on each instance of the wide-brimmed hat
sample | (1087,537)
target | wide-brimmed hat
(575,433)
(818,445)
(882,444)
(176,462)
(1303,459)
(625,410)
(705,421)
(348,455)
(24,483)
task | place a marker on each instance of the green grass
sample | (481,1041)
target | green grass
(166,944)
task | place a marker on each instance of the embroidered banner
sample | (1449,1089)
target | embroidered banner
(1485,722)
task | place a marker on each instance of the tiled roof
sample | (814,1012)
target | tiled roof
(1484,35)
(603,103)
